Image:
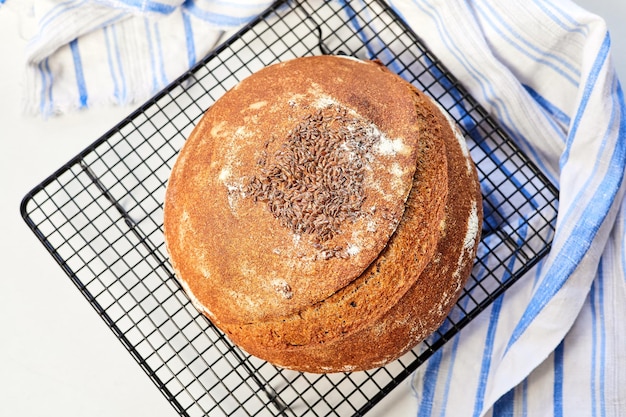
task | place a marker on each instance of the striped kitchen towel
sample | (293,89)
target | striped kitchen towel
(90,52)
(555,343)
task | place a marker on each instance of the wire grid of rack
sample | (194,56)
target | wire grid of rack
(100,216)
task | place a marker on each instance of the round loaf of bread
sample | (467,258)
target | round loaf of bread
(324,214)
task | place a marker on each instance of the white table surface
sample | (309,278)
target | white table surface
(57,357)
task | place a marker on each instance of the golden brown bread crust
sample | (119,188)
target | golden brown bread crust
(387,278)
(427,303)
(236,255)
(350,289)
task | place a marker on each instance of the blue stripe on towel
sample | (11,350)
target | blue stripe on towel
(191,46)
(161,66)
(123,94)
(44,86)
(46,96)
(51,80)
(589,88)
(80,76)
(594,338)
(553,110)
(525,398)
(622,219)
(598,345)
(151,52)
(557,395)
(149,6)
(514,403)
(505,405)
(602,375)
(110,57)
(430,384)
(446,390)
(218,19)
(487,353)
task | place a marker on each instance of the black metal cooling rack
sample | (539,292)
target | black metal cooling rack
(100,216)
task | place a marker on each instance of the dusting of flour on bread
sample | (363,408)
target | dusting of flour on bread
(390,147)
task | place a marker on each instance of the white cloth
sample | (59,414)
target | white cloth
(92,52)
(553,344)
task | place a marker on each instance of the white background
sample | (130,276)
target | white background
(57,357)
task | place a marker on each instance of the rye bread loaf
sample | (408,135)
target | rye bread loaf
(308,205)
